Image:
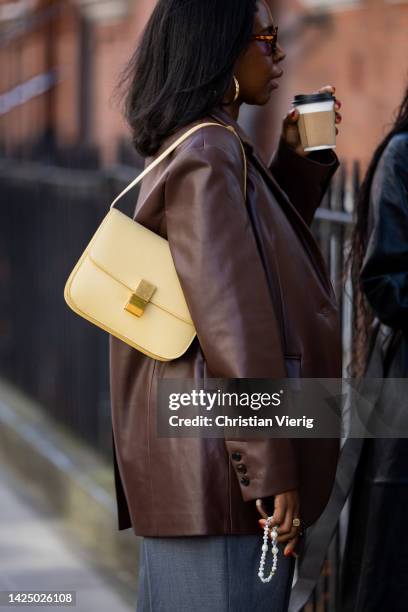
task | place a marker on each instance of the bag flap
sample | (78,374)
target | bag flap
(130,252)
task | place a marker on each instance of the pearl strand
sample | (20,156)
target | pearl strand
(275,551)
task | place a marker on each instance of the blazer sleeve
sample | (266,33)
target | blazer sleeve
(221,274)
(304,179)
(384,274)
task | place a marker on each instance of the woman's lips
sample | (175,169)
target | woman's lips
(273,82)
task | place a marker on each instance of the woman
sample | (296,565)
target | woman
(377,563)
(262,305)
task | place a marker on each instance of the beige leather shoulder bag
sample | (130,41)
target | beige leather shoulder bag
(126,283)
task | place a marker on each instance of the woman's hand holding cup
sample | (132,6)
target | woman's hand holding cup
(290,130)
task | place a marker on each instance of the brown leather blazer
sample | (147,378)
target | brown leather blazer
(263,308)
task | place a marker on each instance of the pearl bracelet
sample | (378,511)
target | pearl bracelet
(275,551)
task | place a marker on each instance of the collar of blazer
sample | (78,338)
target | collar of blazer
(297,221)
(220,115)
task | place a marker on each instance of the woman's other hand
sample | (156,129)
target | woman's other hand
(290,131)
(286,508)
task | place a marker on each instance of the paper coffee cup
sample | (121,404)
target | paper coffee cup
(317,121)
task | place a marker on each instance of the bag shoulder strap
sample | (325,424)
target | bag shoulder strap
(172,147)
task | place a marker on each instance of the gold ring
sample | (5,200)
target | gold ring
(296,522)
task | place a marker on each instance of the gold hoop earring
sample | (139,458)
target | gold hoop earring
(236,93)
(236,89)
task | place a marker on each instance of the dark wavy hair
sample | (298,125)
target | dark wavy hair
(183,66)
(362,313)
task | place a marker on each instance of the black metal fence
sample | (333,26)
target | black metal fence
(47,217)
(331,227)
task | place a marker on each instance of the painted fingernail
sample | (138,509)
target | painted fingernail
(291,553)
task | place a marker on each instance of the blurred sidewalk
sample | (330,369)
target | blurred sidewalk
(35,556)
(58,521)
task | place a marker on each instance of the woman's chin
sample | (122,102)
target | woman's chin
(265,97)
(262,97)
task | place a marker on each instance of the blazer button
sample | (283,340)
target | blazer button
(244,480)
(236,456)
(241,467)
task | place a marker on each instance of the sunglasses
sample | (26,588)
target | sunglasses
(270,41)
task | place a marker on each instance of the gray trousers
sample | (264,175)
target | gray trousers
(210,574)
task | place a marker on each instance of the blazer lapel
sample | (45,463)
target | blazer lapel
(299,225)
(297,221)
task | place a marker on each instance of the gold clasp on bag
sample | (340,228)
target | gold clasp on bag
(139,300)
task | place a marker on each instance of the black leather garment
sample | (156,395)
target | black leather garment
(375,575)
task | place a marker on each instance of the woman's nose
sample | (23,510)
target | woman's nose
(280,54)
